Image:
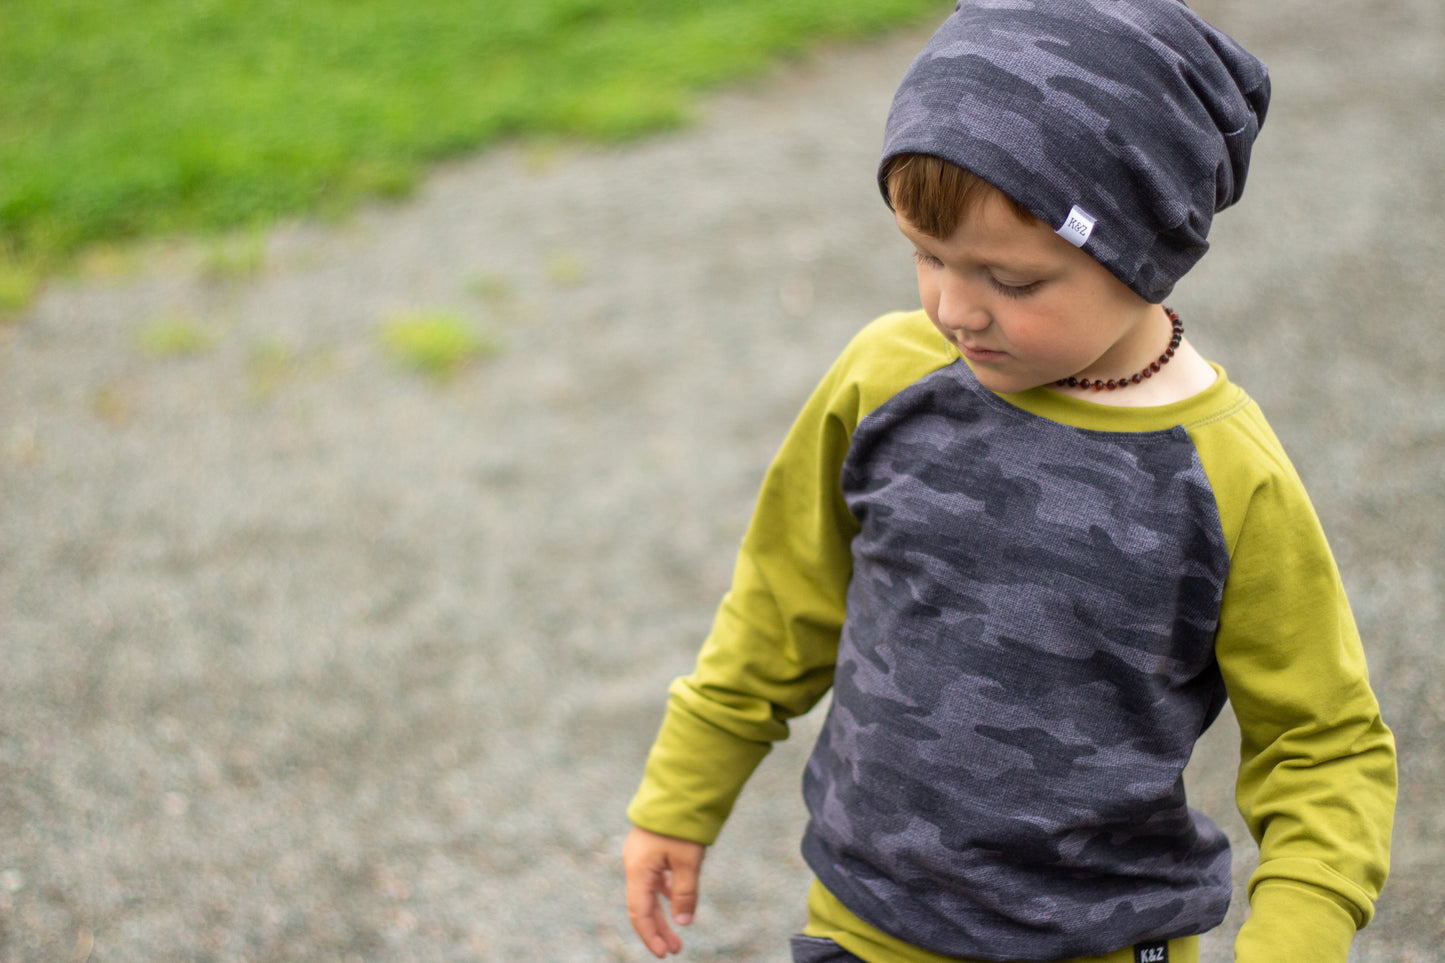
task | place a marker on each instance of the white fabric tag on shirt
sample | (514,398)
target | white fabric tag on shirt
(1077,226)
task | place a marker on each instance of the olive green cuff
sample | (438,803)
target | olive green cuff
(1290,920)
(694,775)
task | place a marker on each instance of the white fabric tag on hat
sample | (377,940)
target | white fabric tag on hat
(1077,226)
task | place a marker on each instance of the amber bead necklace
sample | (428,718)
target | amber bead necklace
(1100,385)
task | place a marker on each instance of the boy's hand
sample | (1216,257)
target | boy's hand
(657,864)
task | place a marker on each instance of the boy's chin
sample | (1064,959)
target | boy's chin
(1001,383)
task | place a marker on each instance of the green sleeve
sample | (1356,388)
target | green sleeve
(1317,772)
(774,641)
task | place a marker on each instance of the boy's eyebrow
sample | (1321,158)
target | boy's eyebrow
(1015,266)
(921,240)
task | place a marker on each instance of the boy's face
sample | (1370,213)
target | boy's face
(1026,307)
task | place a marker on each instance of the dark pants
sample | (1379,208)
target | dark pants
(813,949)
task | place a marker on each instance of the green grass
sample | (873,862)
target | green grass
(436,344)
(127,118)
(238,255)
(17,284)
(174,337)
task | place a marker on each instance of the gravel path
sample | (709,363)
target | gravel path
(306,657)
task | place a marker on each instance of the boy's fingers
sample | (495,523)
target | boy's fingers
(646,915)
(683,891)
(648,927)
(656,866)
(671,942)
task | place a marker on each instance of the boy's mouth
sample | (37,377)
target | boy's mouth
(980,354)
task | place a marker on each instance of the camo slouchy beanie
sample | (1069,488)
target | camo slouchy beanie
(1123,124)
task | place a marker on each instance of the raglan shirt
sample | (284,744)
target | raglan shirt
(1028,608)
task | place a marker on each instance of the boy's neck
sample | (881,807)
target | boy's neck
(1186,375)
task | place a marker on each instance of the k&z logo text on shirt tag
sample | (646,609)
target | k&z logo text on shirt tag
(1151,953)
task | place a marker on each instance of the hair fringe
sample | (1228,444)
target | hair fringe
(934,195)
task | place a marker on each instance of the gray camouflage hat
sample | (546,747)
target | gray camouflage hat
(1124,124)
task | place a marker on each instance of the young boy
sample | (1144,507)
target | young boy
(1032,541)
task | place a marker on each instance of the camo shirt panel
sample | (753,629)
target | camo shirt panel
(1026,664)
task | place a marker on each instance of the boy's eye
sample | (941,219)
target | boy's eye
(1012,290)
(927,260)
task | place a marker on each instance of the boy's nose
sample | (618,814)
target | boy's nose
(960,308)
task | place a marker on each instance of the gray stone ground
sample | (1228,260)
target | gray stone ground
(304,657)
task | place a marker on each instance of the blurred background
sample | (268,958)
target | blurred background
(384,389)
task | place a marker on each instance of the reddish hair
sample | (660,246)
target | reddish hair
(935,195)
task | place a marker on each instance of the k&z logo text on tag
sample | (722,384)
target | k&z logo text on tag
(1077,226)
(1151,953)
